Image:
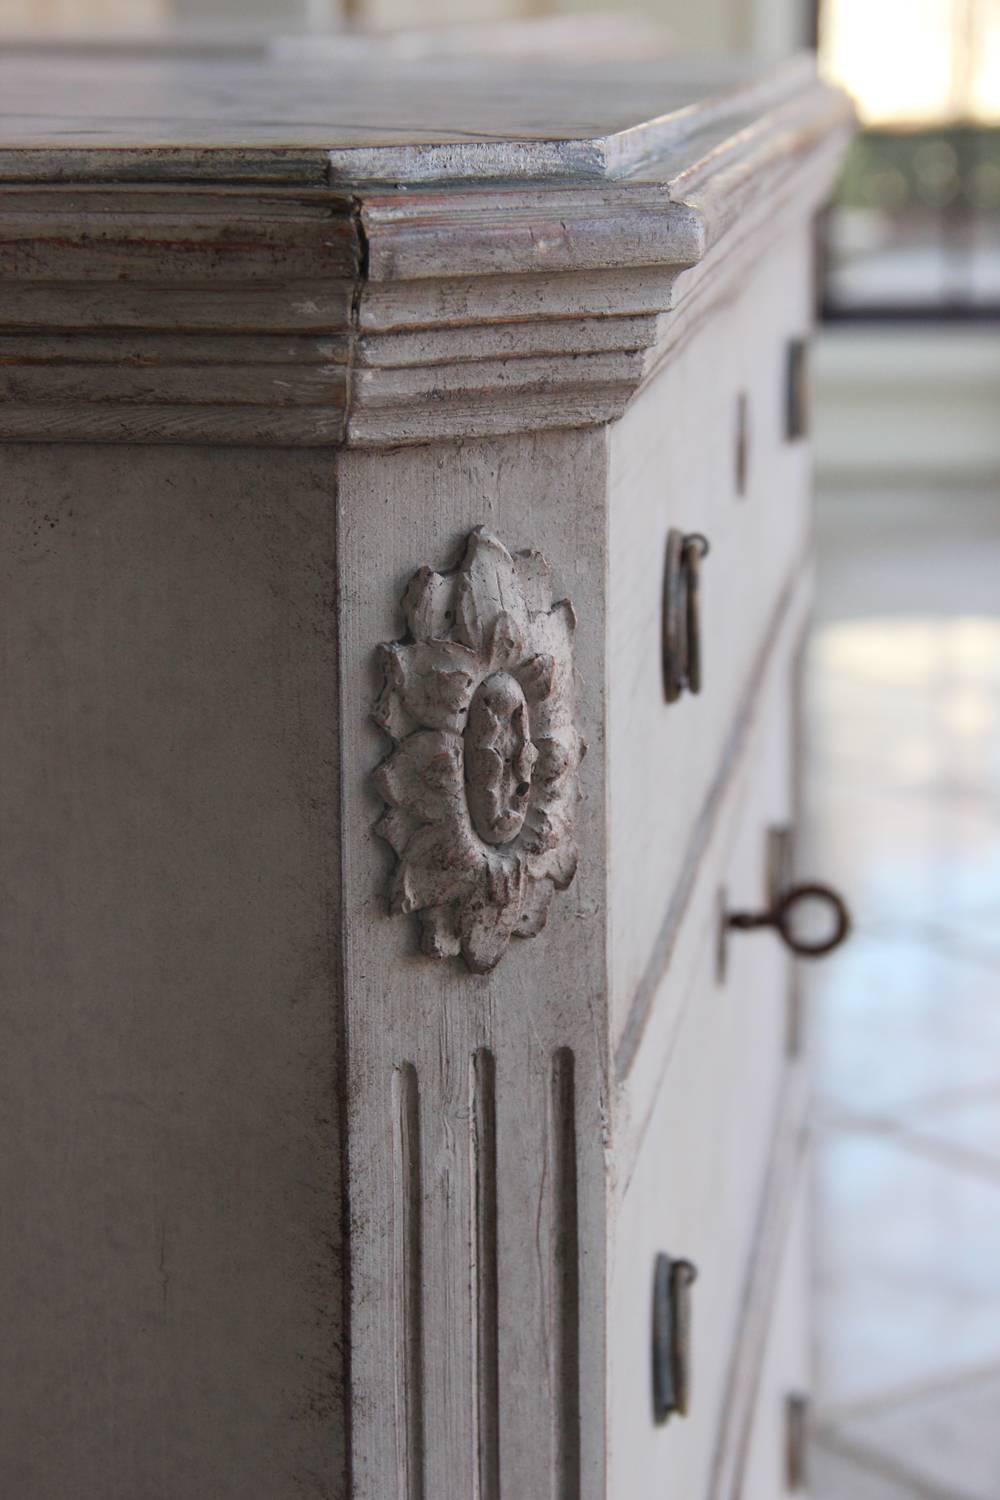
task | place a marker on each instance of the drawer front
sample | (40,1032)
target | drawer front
(676,463)
(774,1464)
(732,849)
(691,1175)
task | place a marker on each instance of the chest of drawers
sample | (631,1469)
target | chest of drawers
(374,1032)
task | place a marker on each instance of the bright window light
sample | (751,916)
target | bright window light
(913,63)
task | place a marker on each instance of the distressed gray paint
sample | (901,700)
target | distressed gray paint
(170,1251)
(187,843)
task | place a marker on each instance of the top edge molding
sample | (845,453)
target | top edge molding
(570,161)
(190,293)
(346,123)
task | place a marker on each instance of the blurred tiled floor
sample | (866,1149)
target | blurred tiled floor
(904,814)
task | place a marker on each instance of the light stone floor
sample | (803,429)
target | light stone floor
(903,805)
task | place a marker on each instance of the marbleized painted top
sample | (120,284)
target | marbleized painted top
(364,116)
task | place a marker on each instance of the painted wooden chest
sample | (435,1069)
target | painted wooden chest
(405,561)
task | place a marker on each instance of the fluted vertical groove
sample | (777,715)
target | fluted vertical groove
(408,1240)
(483,1144)
(566,1254)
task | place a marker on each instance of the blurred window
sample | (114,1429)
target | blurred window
(915,227)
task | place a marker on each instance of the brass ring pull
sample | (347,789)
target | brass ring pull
(782,913)
(681,614)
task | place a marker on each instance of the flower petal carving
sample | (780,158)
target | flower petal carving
(436,867)
(396,827)
(557,864)
(537,677)
(427,685)
(424,775)
(428,605)
(487,587)
(480,785)
(488,920)
(558,757)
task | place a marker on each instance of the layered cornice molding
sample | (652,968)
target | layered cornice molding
(166,314)
(351,312)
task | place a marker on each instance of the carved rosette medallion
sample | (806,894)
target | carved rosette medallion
(481,786)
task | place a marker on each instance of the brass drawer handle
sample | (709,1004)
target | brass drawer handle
(681,622)
(781,916)
(672,1280)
